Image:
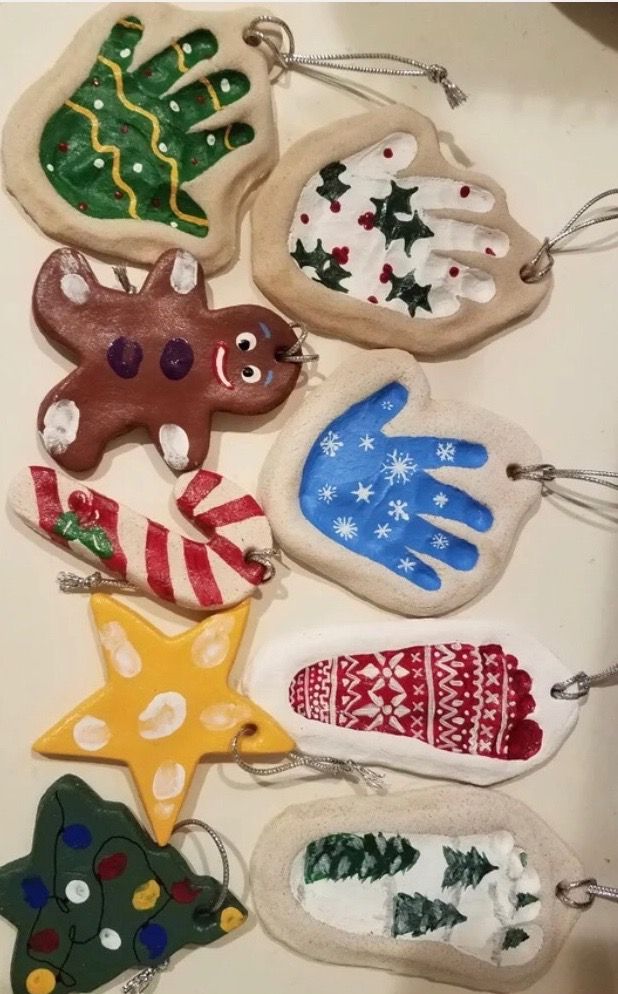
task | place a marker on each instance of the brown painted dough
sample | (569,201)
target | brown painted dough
(158,359)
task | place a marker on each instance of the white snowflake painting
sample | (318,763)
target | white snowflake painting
(398,510)
(440,541)
(440,500)
(327,493)
(363,493)
(383,531)
(331,443)
(399,467)
(406,564)
(366,443)
(446,451)
(346,528)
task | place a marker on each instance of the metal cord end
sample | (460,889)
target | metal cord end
(72,583)
(295,352)
(591,888)
(266,558)
(582,682)
(120,272)
(546,473)
(142,980)
(454,94)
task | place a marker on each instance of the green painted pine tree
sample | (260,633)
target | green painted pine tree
(328,271)
(388,218)
(466,868)
(366,857)
(523,900)
(332,187)
(412,293)
(514,937)
(415,914)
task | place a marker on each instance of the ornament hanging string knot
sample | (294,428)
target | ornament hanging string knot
(140,982)
(266,558)
(322,764)
(542,262)
(72,583)
(295,352)
(546,473)
(591,889)
(349,61)
(579,685)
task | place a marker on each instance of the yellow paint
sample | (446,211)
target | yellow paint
(130,24)
(180,58)
(230,919)
(115,151)
(40,982)
(226,138)
(212,93)
(155,138)
(146,896)
(171,713)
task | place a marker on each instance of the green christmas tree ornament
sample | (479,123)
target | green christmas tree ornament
(96,896)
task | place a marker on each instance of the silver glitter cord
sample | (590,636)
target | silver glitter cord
(591,889)
(349,61)
(546,473)
(225,863)
(295,760)
(541,263)
(72,583)
(579,685)
(142,980)
(120,272)
(295,352)
(266,558)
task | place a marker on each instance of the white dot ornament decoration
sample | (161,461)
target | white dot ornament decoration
(377,238)
(405,500)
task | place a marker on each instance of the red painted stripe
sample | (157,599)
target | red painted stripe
(201,485)
(200,574)
(234,557)
(107,517)
(157,561)
(47,499)
(226,514)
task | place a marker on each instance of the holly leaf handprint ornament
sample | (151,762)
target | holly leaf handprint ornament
(403,499)
(378,238)
(145,134)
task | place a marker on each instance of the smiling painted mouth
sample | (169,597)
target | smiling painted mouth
(218,365)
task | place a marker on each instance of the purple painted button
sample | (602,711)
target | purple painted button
(124,356)
(176,358)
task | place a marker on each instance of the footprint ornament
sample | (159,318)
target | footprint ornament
(146,134)
(454,884)
(405,500)
(377,238)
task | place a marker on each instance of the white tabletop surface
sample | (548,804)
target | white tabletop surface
(542,119)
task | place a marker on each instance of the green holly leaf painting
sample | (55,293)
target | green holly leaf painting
(412,293)
(93,537)
(68,526)
(328,270)
(395,218)
(514,937)
(122,147)
(332,187)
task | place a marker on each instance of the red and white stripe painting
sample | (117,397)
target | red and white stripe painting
(157,560)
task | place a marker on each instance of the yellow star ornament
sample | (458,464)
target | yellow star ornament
(166,705)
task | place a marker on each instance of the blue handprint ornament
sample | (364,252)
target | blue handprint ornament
(403,499)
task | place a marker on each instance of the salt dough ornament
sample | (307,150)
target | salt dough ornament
(377,238)
(146,134)
(405,500)
(161,563)
(158,358)
(166,704)
(455,884)
(468,701)
(95,897)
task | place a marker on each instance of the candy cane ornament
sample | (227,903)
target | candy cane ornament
(157,561)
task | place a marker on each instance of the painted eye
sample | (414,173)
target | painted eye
(246,342)
(251,374)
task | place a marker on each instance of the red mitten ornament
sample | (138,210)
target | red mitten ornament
(158,358)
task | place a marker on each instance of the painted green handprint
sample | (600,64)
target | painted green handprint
(121,146)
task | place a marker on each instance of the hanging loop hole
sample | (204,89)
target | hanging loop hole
(253,35)
(266,558)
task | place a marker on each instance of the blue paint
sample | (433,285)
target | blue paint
(372,493)
(77,836)
(154,937)
(125,357)
(267,333)
(176,359)
(36,894)
(269,377)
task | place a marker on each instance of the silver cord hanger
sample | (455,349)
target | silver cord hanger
(546,473)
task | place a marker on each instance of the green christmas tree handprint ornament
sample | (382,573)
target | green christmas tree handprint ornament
(168,125)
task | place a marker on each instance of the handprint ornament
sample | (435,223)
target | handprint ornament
(146,134)
(376,237)
(402,499)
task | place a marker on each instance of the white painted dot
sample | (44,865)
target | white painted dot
(137,167)
(77,891)
(99,163)
(187,48)
(162,147)
(122,654)
(50,168)
(174,106)
(163,716)
(173,224)
(110,939)
(225,85)
(98,104)
(168,781)
(211,140)
(91,734)
(125,53)
(220,717)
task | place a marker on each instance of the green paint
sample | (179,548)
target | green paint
(388,218)
(75,831)
(76,171)
(366,857)
(523,858)
(465,868)
(415,915)
(328,271)
(332,187)
(412,293)
(514,937)
(93,537)
(523,900)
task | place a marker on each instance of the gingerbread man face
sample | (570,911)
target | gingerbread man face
(158,358)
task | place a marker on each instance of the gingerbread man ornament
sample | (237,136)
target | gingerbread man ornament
(158,358)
